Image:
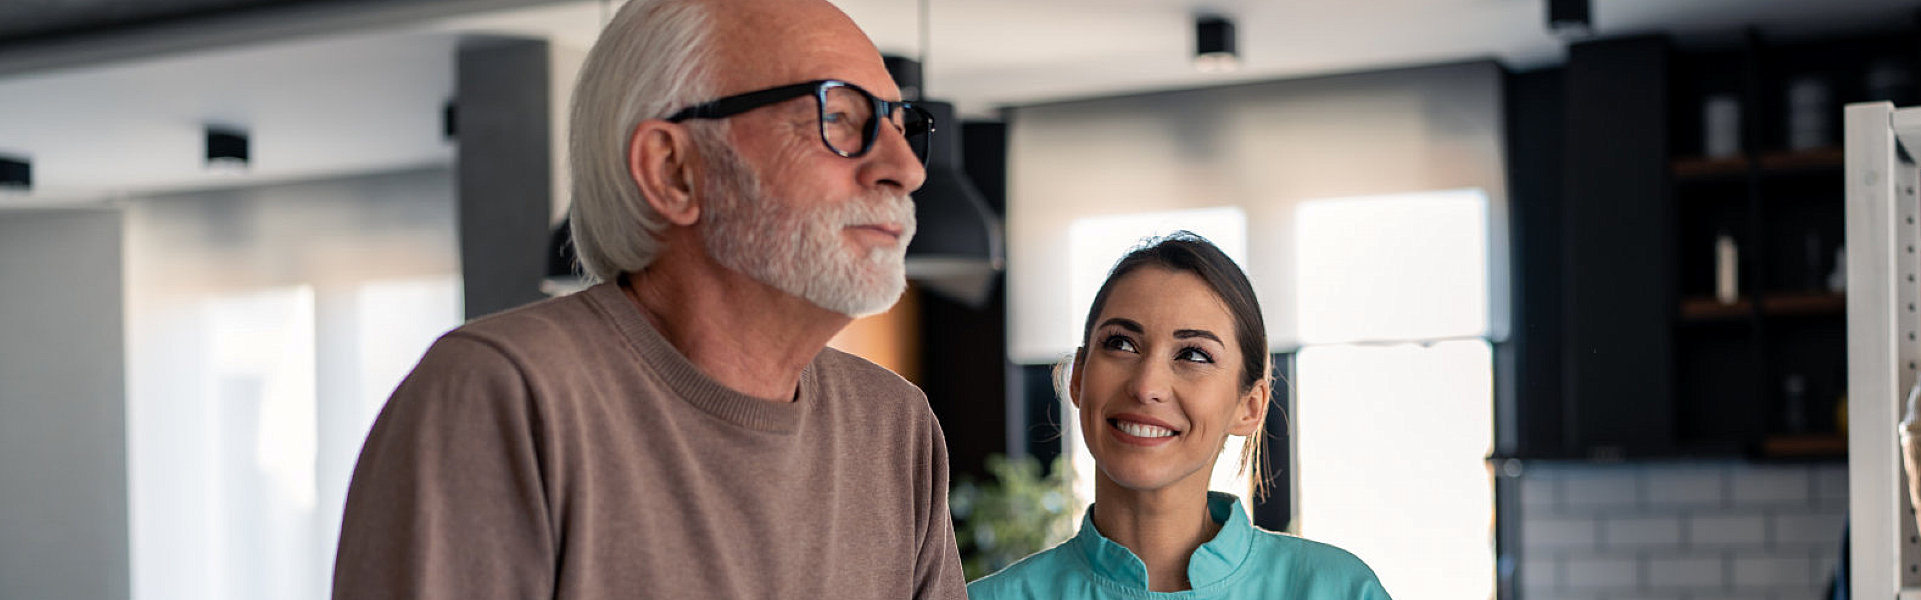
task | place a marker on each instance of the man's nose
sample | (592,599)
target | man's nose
(892,162)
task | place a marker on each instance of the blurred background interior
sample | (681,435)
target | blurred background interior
(1559,301)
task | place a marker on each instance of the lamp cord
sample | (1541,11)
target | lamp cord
(924,37)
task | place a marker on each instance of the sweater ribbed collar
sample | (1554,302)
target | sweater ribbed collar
(687,380)
(1209,567)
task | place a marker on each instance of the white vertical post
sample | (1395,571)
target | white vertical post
(1882,349)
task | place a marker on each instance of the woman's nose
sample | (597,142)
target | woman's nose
(1151,382)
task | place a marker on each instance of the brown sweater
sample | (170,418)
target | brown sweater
(566,450)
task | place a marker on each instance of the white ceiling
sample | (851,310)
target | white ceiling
(371,100)
(313,108)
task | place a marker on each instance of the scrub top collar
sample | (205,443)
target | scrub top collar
(1211,564)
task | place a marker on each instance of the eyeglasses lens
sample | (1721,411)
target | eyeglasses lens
(844,120)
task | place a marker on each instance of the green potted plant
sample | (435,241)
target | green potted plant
(1020,511)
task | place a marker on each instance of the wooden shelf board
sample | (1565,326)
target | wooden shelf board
(1804,304)
(1700,167)
(1710,309)
(1784,304)
(1803,160)
(1805,445)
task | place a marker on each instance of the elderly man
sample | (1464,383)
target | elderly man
(679,430)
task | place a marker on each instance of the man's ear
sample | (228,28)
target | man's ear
(661,160)
(1251,411)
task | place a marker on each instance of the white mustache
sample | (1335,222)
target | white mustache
(887,209)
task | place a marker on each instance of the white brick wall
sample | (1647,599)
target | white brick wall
(1679,531)
(1641,532)
(1717,530)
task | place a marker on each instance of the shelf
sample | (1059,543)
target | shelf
(1710,309)
(1781,304)
(1698,168)
(1816,445)
(1799,304)
(1804,160)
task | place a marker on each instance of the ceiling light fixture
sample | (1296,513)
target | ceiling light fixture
(226,148)
(1569,19)
(1214,47)
(15,173)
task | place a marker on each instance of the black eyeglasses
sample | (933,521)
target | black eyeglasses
(847,114)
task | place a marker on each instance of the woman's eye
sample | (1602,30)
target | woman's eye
(1194,355)
(1118,342)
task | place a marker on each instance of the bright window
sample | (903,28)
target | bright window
(1394,390)
(249,408)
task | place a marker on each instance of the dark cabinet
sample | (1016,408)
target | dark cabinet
(1617,359)
(1674,291)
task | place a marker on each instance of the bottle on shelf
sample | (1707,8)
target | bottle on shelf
(1721,126)
(1794,405)
(1727,260)
(1809,103)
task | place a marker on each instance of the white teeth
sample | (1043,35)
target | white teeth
(1143,430)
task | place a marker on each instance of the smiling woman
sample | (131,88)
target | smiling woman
(1173,362)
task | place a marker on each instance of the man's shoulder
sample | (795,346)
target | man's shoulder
(504,350)
(839,368)
(541,327)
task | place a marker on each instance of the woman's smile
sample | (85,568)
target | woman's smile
(1141,431)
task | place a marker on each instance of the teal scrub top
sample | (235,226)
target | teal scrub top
(1242,561)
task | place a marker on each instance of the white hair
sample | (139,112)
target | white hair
(652,58)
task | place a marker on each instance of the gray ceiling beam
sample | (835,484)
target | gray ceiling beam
(240,27)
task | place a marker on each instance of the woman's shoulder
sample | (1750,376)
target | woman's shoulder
(1044,574)
(1324,563)
(1275,545)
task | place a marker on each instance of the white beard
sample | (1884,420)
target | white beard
(799,250)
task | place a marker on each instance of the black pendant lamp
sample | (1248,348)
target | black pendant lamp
(957,249)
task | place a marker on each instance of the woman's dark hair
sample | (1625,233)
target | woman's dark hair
(1187,252)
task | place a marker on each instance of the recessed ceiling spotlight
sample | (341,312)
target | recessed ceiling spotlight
(1569,19)
(1214,50)
(226,149)
(15,173)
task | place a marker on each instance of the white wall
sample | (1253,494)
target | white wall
(1263,147)
(63,450)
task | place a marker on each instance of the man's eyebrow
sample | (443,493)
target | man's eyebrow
(1122,323)
(1181,334)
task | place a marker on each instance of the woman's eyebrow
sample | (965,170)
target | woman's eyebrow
(1123,323)
(1181,334)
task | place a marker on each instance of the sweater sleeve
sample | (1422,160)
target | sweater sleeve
(447,499)
(937,569)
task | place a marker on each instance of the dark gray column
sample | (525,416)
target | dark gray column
(504,171)
(63,409)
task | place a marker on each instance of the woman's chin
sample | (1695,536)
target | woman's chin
(1140,478)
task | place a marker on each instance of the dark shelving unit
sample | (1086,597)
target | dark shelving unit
(1623,350)
(1762,375)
